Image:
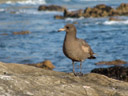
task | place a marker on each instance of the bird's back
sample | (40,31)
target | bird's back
(77,50)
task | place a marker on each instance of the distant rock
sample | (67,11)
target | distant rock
(47,64)
(51,8)
(24,80)
(114,62)
(123,9)
(59,17)
(116,72)
(21,33)
(100,10)
(4,34)
(115,19)
(73,14)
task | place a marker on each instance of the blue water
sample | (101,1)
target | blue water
(108,39)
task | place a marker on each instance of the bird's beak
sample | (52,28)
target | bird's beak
(62,29)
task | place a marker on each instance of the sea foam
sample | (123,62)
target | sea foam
(28,2)
(115,22)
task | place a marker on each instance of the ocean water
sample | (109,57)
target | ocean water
(108,39)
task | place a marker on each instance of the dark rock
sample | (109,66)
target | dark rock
(59,17)
(116,72)
(115,62)
(101,10)
(24,80)
(73,14)
(21,33)
(103,7)
(123,9)
(4,34)
(47,64)
(51,8)
(98,11)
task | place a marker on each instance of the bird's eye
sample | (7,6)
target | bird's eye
(67,27)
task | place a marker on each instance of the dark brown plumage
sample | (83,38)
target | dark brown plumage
(74,48)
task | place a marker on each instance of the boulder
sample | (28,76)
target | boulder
(51,8)
(24,80)
(47,64)
(21,33)
(116,72)
(114,62)
(97,11)
(123,9)
(59,17)
(73,14)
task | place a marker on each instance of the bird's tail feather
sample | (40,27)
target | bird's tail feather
(92,57)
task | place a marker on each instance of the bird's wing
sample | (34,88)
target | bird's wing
(86,47)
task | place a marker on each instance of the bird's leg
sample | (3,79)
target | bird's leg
(81,67)
(73,67)
(77,74)
(81,74)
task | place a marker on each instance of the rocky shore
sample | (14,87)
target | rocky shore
(100,10)
(24,80)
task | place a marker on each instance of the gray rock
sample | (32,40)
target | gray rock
(24,80)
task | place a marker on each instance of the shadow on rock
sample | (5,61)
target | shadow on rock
(116,72)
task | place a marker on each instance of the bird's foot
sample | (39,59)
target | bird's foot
(78,74)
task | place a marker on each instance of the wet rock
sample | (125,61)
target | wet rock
(47,64)
(114,62)
(51,8)
(116,72)
(73,14)
(21,33)
(59,17)
(98,11)
(123,9)
(4,34)
(24,80)
(101,10)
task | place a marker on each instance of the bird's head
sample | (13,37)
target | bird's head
(68,28)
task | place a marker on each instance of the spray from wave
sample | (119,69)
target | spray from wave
(28,2)
(115,22)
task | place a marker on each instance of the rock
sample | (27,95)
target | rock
(59,17)
(101,10)
(98,11)
(73,14)
(24,80)
(116,72)
(51,8)
(114,62)
(115,19)
(4,34)
(47,64)
(103,7)
(21,33)
(123,9)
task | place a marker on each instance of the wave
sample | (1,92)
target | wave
(115,22)
(1,10)
(28,2)
(73,19)
(23,11)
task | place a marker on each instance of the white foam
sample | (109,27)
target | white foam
(73,19)
(115,22)
(28,2)
(2,10)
